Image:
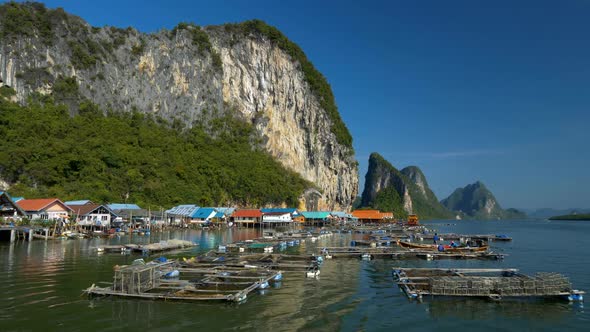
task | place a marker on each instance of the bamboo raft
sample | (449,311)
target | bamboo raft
(151,281)
(494,284)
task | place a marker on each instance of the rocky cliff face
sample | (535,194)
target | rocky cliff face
(187,76)
(404,192)
(476,201)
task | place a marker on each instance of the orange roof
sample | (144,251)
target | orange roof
(388,215)
(367,214)
(38,204)
(247,213)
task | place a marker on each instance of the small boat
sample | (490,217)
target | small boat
(446,248)
(313,271)
(366,257)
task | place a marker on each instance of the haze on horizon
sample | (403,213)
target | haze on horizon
(467,91)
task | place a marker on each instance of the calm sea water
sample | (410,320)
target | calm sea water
(42,282)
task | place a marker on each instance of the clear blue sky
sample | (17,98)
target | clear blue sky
(497,91)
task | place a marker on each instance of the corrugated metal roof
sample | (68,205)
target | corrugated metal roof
(247,213)
(226,210)
(283,210)
(123,206)
(342,214)
(203,213)
(79,202)
(183,210)
(84,209)
(368,214)
(315,214)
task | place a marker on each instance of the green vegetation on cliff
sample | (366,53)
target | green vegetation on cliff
(393,183)
(572,217)
(477,201)
(129,157)
(317,82)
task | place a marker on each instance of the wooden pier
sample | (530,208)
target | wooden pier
(494,284)
(14,233)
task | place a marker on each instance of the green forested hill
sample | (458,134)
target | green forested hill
(388,189)
(46,152)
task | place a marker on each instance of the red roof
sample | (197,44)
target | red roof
(38,204)
(247,213)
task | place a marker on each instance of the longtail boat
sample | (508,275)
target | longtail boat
(434,247)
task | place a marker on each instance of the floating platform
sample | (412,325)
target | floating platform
(168,281)
(147,249)
(402,253)
(494,284)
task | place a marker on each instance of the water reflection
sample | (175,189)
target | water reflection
(476,309)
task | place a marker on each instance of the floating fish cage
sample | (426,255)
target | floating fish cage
(491,283)
(169,280)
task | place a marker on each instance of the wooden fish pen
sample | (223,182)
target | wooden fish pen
(402,253)
(147,249)
(458,237)
(488,283)
(285,263)
(169,281)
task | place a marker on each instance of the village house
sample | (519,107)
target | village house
(91,214)
(343,217)
(9,210)
(317,218)
(181,214)
(372,216)
(45,209)
(247,217)
(276,217)
(203,215)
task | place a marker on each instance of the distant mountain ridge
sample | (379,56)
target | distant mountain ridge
(403,192)
(477,201)
(544,213)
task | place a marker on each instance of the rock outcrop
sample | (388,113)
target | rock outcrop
(404,192)
(476,201)
(186,76)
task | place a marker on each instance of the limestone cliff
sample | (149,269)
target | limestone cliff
(477,201)
(404,192)
(186,76)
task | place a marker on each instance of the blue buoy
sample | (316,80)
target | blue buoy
(352,243)
(172,274)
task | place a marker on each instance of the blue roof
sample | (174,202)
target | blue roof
(183,210)
(16,199)
(283,210)
(219,214)
(315,214)
(203,213)
(80,202)
(121,206)
(226,210)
